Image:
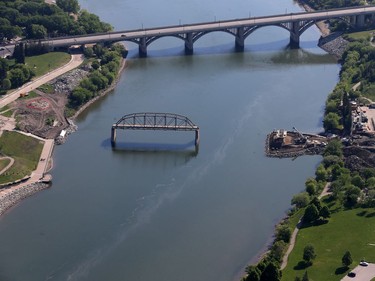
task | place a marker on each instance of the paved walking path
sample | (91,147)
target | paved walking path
(295,231)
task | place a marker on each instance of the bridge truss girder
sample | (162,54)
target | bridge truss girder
(155,121)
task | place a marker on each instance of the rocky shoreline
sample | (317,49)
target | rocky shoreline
(14,196)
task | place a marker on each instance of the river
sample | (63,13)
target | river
(154,208)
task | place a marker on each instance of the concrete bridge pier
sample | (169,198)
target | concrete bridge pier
(113,136)
(142,47)
(294,35)
(360,21)
(197,137)
(240,40)
(189,48)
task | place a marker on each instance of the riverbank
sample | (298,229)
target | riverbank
(332,43)
(14,193)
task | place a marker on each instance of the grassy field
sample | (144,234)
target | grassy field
(359,35)
(25,151)
(46,88)
(47,62)
(351,230)
(4,163)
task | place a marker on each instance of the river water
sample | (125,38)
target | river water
(155,208)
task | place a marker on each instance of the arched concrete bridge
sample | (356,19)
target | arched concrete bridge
(295,23)
(154,121)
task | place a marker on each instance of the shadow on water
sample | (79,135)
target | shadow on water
(188,148)
(282,57)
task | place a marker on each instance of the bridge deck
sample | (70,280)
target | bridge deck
(156,127)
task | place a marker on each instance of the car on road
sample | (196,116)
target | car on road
(123,35)
(352,274)
(363,263)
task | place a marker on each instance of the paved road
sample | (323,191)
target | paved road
(75,61)
(363,273)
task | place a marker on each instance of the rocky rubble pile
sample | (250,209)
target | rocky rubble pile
(334,44)
(67,82)
(15,196)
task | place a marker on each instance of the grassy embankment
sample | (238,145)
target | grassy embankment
(347,230)
(24,150)
(43,64)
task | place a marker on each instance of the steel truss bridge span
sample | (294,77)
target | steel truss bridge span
(154,121)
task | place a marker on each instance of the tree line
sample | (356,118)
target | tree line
(105,64)
(36,19)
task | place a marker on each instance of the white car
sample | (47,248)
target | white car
(363,263)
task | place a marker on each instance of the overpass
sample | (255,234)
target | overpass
(295,23)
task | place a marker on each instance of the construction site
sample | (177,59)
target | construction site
(282,143)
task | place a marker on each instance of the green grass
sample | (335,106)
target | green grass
(359,35)
(8,113)
(25,151)
(46,88)
(31,94)
(351,230)
(44,63)
(4,163)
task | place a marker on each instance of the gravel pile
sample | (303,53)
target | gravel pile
(334,44)
(12,198)
(67,82)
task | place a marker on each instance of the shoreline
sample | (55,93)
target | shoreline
(12,194)
(325,34)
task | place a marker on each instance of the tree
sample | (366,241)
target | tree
(309,254)
(334,147)
(325,212)
(311,186)
(358,181)
(347,259)
(69,6)
(278,250)
(19,53)
(253,273)
(6,84)
(351,195)
(331,122)
(311,213)
(37,31)
(321,173)
(305,277)
(4,67)
(95,64)
(317,203)
(301,200)
(283,233)
(271,273)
